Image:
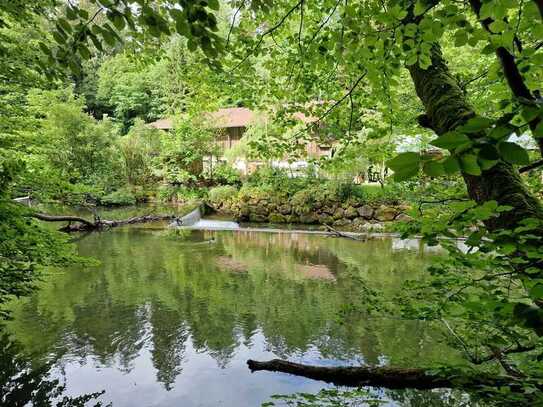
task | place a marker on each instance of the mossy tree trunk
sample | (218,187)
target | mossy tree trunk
(447,108)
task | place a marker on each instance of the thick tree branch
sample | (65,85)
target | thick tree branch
(62,218)
(82,224)
(532,166)
(389,377)
(510,69)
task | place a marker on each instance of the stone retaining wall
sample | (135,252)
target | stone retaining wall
(347,216)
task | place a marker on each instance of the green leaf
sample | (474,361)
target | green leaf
(538,131)
(468,163)
(71,14)
(404,165)
(65,25)
(487,164)
(451,165)
(529,113)
(537,291)
(84,14)
(475,125)
(213,4)
(450,140)
(513,153)
(498,26)
(501,132)
(433,168)
(83,51)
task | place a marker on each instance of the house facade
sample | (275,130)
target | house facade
(232,123)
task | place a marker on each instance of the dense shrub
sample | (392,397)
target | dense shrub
(180,193)
(222,194)
(119,198)
(224,174)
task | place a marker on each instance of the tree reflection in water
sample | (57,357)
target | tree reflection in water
(22,384)
(167,306)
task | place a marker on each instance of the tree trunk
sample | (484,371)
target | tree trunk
(389,377)
(447,108)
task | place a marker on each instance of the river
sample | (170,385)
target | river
(169,317)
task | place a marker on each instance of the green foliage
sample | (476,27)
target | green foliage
(180,194)
(183,152)
(129,90)
(222,194)
(140,149)
(118,198)
(328,398)
(225,174)
(73,146)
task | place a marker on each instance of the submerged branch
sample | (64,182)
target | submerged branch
(389,377)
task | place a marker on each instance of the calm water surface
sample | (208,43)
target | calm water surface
(170,318)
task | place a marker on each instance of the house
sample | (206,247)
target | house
(231,124)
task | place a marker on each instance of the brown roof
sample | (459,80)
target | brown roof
(222,118)
(233,117)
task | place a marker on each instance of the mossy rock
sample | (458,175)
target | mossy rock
(385,214)
(351,212)
(366,211)
(277,218)
(339,213)
(285,209)
(325,219)
(342,222)
(308,218)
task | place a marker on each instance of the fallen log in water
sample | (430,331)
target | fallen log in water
(78,224)
(389,377)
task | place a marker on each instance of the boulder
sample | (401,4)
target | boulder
(385,213)
(285,209)
(261,210)
(357,222)
(308,218)
(339,213)
(351,212)
(342,222)
(365,211)
(329,210)
(325,219)
(403,217)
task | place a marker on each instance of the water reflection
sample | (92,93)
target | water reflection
(170,318)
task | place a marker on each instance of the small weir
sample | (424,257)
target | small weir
(194,220)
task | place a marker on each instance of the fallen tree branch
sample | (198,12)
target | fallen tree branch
(389,377)
(82,224)
(341,234)
(62,218)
